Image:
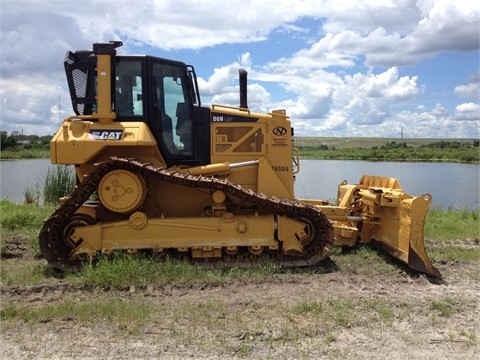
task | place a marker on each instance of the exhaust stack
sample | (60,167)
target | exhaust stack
(242,74)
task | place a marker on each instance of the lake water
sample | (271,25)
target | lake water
(451,185)
(18,175)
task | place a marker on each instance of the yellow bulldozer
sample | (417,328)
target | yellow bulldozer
(158,171)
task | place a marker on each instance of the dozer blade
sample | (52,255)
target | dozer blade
(388,219)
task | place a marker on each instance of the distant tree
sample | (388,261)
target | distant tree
(3,139)
(45,139)
(7,140)
(32,138)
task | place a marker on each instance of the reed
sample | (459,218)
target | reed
(31,195)
(59,182)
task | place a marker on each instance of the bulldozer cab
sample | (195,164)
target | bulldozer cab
(160,92)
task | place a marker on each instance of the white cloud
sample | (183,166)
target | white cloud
(468,91)
(471,90)
(439,111)
(468,111)
(221,80)
(27,103)
(323,82)
(394,33)
(436,124)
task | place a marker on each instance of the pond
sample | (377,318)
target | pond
(451,185)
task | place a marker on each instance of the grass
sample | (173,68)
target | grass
(454,253)
(464,155)
(345,312)
(19,218)
(452,224)
(367,142)
(383,149)
(125,314)
(32,195)
(22,220)
(449,228)
(342,148)
(59,182)
(288,323)
(19,153)
(237,326)
(22,275)
(239,329)
(444,307)
(122,270)
(208,315)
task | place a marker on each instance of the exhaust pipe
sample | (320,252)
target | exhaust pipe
(242,74)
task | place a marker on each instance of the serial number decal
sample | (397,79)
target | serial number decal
(280,168)
(106,134)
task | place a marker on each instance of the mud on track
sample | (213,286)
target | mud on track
(310,315)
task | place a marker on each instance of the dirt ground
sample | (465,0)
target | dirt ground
(248,319)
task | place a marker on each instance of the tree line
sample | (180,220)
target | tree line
(442,144)
(442,150)
(16,139)
(448,151)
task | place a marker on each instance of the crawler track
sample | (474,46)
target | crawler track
(57,252)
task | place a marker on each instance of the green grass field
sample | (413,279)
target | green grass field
(368,142)
(381,149)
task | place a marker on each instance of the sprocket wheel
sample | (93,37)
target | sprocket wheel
(122,191)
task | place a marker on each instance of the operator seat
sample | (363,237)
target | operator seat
(183,128)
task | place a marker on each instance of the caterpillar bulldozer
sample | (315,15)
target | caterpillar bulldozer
(158,171)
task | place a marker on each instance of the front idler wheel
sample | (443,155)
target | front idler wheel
(68,227)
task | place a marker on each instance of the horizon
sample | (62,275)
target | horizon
(429,139)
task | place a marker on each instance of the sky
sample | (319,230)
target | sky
(374,68)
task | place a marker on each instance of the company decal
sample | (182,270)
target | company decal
(106,134)
(217,117)
(280,139)
(279,131)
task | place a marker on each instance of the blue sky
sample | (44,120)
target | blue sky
(339,68)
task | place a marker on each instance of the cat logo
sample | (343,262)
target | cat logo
(279,131)
(106,134)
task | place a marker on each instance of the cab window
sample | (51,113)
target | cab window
(173,112)
(128,88)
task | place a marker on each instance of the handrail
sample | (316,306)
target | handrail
(296,158)
(231,107)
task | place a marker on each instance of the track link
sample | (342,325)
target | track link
(57,252)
